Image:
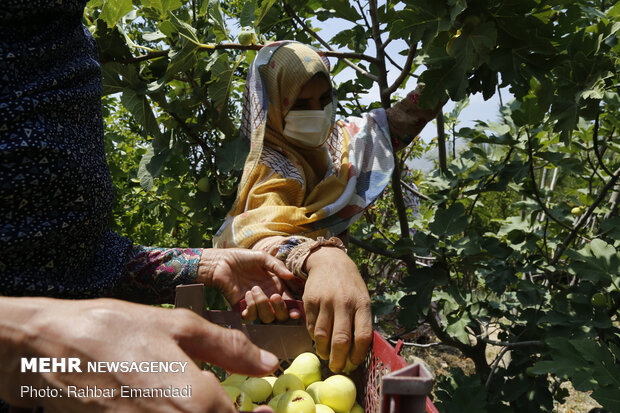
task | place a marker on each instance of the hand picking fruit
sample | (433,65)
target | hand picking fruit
(300,389)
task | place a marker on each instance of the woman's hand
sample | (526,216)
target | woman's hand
(112,330)
(254,275)
(337,307)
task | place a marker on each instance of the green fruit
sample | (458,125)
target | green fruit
(204,184)
(357,409)
(349,367)
(287,382)
(271,380)
(321,408)
(296,401)
(234,380)
(273,403)
(307,367)
(313,390)
(239,398)
(338,392)
(257,388)
(577,211)
(599,300)
(247,36)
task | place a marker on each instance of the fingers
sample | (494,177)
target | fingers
(263,409)
(279,307)
(277,267)
(250,311)
(323,331)
(227,348)
(363,334)
(215,399)
(293,313)
(263,306)
(311,308)
(340,339)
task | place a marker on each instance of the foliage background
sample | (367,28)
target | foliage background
(518,239)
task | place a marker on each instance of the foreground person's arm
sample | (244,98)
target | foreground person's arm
(112,330)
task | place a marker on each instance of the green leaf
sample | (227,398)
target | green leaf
(247,14)
(614,12)
(184,29)
(449,221)
(386,302)
(162,6)
(423,20)
(472,48)
(262,11)
(113,10)
(151,165)
(217,19)
(527,112)
(445,75)
(611,227)
(608,397)
(456,8)
(355,39)
(597,262)
(140,108)
(231,155)
(457,392)
(456,327)
(222,73)
(112,82)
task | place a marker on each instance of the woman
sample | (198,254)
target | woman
(305,180)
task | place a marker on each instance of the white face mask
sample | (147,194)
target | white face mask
(309,128)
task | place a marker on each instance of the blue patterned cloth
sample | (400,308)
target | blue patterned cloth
(55,186)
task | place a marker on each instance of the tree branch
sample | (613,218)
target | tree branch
(376,35)
(510,345)
(418,193)
(598,154)
(535,187)
(235,46)
(363,15)
(372,248)
(363,72)
(406,69)
(441,143)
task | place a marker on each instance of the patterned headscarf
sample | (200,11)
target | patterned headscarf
(334,194)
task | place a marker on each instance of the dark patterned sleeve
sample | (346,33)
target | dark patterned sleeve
(151,273)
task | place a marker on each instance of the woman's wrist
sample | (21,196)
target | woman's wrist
(206,267)
(323,250)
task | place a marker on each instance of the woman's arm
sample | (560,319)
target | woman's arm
(153,273)
(406,119)
(336,300)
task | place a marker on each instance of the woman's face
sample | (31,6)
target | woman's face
(315,95)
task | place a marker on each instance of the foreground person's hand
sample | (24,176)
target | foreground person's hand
(337,307)
(112,330)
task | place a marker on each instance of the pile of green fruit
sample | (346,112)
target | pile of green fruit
(298,390)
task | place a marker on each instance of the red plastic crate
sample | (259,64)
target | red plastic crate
(385,383)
